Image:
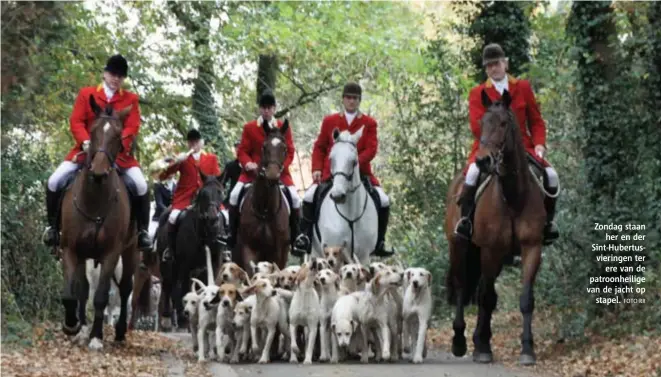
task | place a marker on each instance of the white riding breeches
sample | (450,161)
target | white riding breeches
(236,191)
(308,197)
(138,180)
(172,219)
(295,199)
(385,200)
(552,176)
(474,172)
(58,178)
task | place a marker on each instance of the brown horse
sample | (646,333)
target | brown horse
(263,233)
(509,217)
(96,224)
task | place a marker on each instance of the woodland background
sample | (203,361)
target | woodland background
(595,68)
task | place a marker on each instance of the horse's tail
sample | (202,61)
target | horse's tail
(465,271)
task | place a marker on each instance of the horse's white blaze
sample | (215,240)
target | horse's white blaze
(106,127)
(275,141)
(333,226)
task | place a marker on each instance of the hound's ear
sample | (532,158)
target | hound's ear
(275,267)
(429,278)
(336,133)
(353,325)
(332,328)
(243,275)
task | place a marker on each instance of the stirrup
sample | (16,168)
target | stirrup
(382,252)
(166,255)
(297,249)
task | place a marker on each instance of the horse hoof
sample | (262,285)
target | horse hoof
(83,336)
(96,344)
(459,347)
(71,331)
(482,357)
(527,359)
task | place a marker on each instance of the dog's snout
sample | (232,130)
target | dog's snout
(186,313)
(331,262)
(372,270)
(416,284)
(274,293)
(349,275)
(323,280)
(226,277)
(226,303)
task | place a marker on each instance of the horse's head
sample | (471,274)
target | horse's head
(274,151)
(344,164)
(106,139)
(208,200)
(500,133)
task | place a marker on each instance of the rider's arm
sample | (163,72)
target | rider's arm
(78,119)
(242,152)
(291,150)
(172,169)
(131,124)
(475,111)
(535,122)
(320,148)
(367,154)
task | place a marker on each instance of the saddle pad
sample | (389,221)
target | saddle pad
(284,198)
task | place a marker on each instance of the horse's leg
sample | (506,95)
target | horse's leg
(457,278)
(71,324)
(165,303)
(125,287)
(531,258)
(101,298)
(82,292)
(487,299)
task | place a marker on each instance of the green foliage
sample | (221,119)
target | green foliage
(31,279)
(501,22)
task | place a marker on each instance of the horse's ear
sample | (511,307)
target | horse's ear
(95,107)
(285,126)
(123,113)
(336,133)
(506,98)
(486,101)
(265,127)
(357,135)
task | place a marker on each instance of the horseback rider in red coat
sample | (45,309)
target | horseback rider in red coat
(249,154)
(350,119)
(109,92)
(190,166)
(533,132)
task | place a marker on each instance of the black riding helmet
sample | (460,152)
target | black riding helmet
(193,135)
(117,65)
(267,99)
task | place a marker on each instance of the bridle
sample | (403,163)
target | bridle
(265,163)
(496,157)
(348,176)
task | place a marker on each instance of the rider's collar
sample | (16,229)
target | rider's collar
(273,123)
(358,113)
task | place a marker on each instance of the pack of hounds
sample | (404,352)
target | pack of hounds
(356,311)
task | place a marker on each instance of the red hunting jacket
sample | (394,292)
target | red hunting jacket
(525,108)
(250,150)
(189,177)
(367,145)
(83,116)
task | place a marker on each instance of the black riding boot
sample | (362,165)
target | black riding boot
(550,230)
(142,207)
(302,243)
(294,228)
(51,236)
(464,228)
(380,251)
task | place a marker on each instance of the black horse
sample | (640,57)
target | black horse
(199,226)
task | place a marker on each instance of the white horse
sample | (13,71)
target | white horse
(348,213)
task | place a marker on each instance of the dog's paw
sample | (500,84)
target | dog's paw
(417,359)
(334,360)
(263,360)
(323,358)
(307,361)
(234,359)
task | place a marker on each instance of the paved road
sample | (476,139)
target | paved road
(437,364)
